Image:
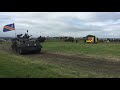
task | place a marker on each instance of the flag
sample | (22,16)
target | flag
(9,27)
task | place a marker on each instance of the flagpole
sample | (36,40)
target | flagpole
(15,30)
(15,33)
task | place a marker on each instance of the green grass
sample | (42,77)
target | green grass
(18,66)
(12,66)
(88,49)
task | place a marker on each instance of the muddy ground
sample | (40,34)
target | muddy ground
(98,65)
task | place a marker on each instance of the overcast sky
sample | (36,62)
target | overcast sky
(76,24)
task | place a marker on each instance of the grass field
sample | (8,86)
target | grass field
(102,50)
(62,60)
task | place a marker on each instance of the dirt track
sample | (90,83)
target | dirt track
(88,63)
(77,61)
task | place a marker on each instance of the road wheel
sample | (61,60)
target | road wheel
(39,51)
(20,51)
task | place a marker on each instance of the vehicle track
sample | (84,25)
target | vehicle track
(88,63)
(99,65)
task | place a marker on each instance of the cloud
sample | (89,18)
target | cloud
(76,24)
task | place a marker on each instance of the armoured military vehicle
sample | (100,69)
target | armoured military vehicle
(69,39)
(25,44)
